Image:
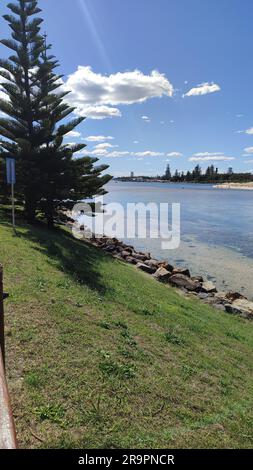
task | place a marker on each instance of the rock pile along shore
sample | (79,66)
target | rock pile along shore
(162,271)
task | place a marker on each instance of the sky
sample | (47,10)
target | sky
(160,81)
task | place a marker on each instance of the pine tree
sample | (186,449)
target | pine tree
(49,178)
(19,129)
(168,173)
(64,179)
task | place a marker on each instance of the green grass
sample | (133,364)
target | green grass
(101,356)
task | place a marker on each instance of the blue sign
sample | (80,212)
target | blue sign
(10,170)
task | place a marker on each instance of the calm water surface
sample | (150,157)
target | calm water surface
(216,229)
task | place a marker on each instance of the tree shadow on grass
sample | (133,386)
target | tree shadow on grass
(77,258)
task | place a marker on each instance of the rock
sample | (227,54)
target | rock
(203,295)
(131,260)
(220,297)
(166,266)
(198,278)
(162,275)
(145,268)
(241,307)
(219,307)
(184,272)
(153,263)
(125,254)
(140,256)
(208,287)
(180,280)
(109,248)
(117,256)
(110,242)
(232,296)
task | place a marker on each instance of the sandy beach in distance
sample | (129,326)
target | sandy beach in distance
(247,186)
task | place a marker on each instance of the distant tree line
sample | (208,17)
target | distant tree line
(211,175)
(197,175)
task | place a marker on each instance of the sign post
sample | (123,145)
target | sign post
(11,179)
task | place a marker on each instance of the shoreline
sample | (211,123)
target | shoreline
(242,186)
(225,185)
(180,278)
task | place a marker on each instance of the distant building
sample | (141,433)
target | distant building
(132,174)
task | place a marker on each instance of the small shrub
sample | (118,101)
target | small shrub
(33,379)
(105,325)
(174,338)
(53,413)
(122,371)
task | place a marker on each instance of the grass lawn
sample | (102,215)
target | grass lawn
(101,356)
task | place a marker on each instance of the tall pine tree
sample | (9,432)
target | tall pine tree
(19,128)
(49,178)
(64,179)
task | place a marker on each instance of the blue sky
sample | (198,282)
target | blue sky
(108,50)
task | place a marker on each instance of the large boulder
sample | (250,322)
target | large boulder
(232,296)
(241,307)
(140,256)
(198,278)
(166,265)
(208,287)
(125,253)
(183,271)
(131,260)
(221,297)
(162,275)
(145,268)
(153,263)
(182,281)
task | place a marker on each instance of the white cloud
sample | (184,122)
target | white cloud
(146,118)
(148,153)
(208,154)
(73,134)
(249,131)
(98,138)
(94,112)
(105,145)
(136,141)
(95,95)
(248,150)
(248,161)
(116,154)
(203,89)
(104,150)
(217,158)
(174,154)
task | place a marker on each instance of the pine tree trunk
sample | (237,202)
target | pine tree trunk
(30,211)
(50,222)
(50,216)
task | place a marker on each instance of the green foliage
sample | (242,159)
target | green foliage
(36,119)
(53,413)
